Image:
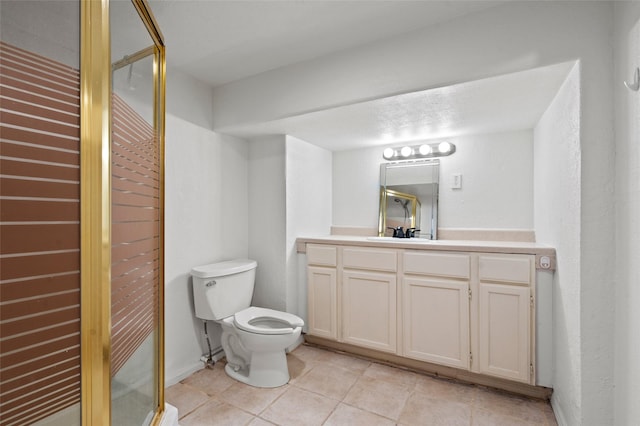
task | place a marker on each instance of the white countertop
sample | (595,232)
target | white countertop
(514,247)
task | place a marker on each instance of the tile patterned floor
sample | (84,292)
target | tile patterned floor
(329,388)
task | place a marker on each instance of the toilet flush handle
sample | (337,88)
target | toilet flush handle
(210,283)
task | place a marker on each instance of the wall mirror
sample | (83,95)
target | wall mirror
(409,198)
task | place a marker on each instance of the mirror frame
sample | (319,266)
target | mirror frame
(384,195)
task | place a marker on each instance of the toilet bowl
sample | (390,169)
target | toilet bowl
(254,339)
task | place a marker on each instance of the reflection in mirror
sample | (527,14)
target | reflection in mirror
(409,199)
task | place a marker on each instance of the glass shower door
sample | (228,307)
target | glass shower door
(136,220)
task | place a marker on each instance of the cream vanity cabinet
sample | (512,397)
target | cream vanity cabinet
(505,316)
(435,308)
(322,287)
(369,297)
(467,310)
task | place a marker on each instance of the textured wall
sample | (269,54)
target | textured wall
(308,199)
(206,221)
(267,215)
(557,223)
(627,113)
(497,183)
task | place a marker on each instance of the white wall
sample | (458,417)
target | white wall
(497,189)
(308,208)
(289,196)
(557,223)
(193,100)
(500,40)
(627,113)
(356,187)
(267,217)
(497,182)
(206,221)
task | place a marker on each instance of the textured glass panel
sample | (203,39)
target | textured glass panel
(135,226)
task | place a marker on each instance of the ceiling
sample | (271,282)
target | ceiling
(499,104)
(219,42)
(222,41)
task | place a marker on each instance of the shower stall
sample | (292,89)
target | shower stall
(81,213)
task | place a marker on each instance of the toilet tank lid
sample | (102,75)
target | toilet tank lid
(221,269)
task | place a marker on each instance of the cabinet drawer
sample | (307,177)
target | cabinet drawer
(506,268)
(318,254)
(374,259)
(439,264)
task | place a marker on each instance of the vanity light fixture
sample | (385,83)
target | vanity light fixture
(426,150)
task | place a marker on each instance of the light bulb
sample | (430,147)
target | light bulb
(388,153)
(444,147)
(425,149)
(406,151)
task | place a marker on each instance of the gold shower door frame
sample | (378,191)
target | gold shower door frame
(95,205)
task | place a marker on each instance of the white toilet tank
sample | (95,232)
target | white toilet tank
(222,289)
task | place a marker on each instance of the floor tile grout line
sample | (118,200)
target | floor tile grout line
(198,406)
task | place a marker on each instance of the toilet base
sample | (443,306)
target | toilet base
(266,370)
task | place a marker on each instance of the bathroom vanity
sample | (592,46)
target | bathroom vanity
(478,311)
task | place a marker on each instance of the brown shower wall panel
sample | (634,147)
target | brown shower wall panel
(29,238)
(26,407)
(33,309)
(33,386)
(38,101)
(69,159)
(21,162)
(60,316)
(36,287)
(24,108)
(126,251)
(28,266)
(135,213)
(45,140)
(13,359)
(39,236)
(139,294)
(49,84)
(41,337)
(40,211)
(16,187)
(125,168)
(36,367)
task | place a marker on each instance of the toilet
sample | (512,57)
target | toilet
(254,339)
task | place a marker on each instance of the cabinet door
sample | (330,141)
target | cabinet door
(322,302)
(369,309)
(436,320)
(504,331)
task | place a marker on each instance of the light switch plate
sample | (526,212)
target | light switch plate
(456,181)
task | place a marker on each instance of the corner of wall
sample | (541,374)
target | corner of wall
(557,213)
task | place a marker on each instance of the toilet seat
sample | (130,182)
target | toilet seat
(266,321)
